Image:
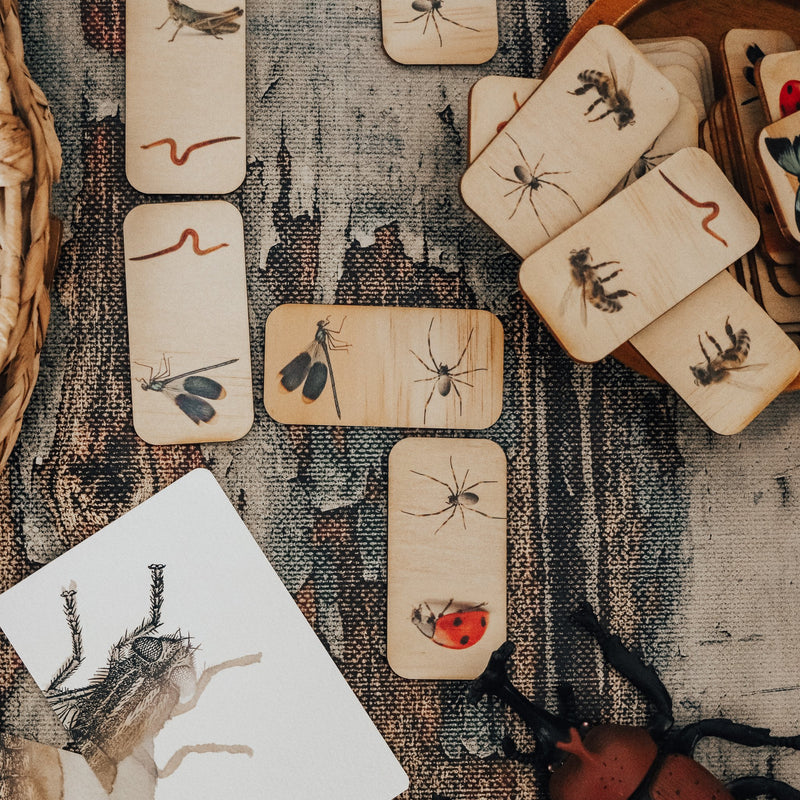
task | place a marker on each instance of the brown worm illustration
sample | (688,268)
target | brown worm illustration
(173,147)
(709,204)
(184,236)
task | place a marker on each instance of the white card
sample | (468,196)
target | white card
(231,695)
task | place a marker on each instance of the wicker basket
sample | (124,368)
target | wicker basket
(30,161)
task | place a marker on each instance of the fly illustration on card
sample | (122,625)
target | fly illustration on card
(430,9)
(786,152)
(529,180)
(444,377)
(193,392)
(309,370)
(460,498)
(586,279)
(209,22)
(721,366)
(148,679)
(610,92)
(455,629)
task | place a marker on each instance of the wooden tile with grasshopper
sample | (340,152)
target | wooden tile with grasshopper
(446,583)
(185,96)
(375,366)
(439,31)
(721,353)
(571,142)
(620,268)
(188,322)
(778,81)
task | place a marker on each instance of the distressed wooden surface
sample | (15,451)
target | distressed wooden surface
(686,541)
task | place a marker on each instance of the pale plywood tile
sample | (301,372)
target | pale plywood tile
(779,156)
(398,367)
(567,147)
(749,118)
(187,313)
(446,541)
(185,96)
(439,31)
(775,288)
(721,353)
(688,78)
(778,81)
(620,268)
(685,81)
(691,46)
(493,100)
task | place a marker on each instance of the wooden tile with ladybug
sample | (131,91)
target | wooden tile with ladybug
(446,603)
(777,77)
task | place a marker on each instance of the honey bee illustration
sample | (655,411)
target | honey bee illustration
(718,368)
(610,93)
(586,279)
(148,680)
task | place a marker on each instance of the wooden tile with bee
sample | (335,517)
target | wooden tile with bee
(537,178)
(181,667)
(446,582)
(721,353)
(188,327)
(741,50)
(439,31)
(185,96)
(683,223)
(778,81)
(383,366)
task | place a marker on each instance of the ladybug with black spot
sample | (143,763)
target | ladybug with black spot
(789,99)
(455,630)
(622,762)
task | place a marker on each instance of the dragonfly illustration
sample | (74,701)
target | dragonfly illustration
(787,154)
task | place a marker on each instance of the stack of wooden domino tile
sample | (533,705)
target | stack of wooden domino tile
(646,265)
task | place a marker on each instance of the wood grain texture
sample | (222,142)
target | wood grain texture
(185,99)
(663,257)
(439,31)
(446,541)
(187,311)
(537,178)
(772,73)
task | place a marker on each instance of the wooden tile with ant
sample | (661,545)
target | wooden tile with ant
(571,142)
(374,366)
(446,583)
(188,322)
(185,96)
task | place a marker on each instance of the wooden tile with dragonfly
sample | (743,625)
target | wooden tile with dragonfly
(185,96)
(383,366)
(439,31)
(721,353)
(642,252)
(188,322)
(568,146)
(446,584)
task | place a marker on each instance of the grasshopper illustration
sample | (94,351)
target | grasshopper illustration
(212,23)
(148,680)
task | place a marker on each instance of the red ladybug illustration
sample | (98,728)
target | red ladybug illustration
(790,98)
(456,630)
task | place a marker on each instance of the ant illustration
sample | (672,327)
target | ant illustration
(529,180)
(460,498)
(444,377)
(429,9)
(718,368)
(586,279)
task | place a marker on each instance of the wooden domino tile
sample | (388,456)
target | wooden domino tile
(778,81)
(779,156)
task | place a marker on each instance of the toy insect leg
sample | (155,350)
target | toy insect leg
(74,623)
(686,739)
(631,666)
(750,788)
(510,750)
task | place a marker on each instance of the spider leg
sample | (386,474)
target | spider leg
(522,155)
(463,518)
(436,25)
(535,211)
(561,172)
(467,372)
(425,380)
(563,191)
(519,199)
(430,477)
(455,480)
(430,349)
(425,410)
(462,382)
(463,352)
(510,180)
(460,404)
(424,364)
(467,488)
(437,531)
(447,19)
(521,186)
(431,514)
(407,21)
(483,514)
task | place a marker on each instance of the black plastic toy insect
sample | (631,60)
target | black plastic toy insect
(529,180)
(610,93)
(719,367)
(620,762)
(197,389)
(444,377)
(429,9)
(585,277)
(308,369)
(461,497)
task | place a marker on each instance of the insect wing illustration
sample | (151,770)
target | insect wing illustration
(528,180)
(610,93)
(787,154)
(430,9)
(460,498)
(197,389)
(720,366)
(148,680)
(311,368)
(214,24)
(458,629)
